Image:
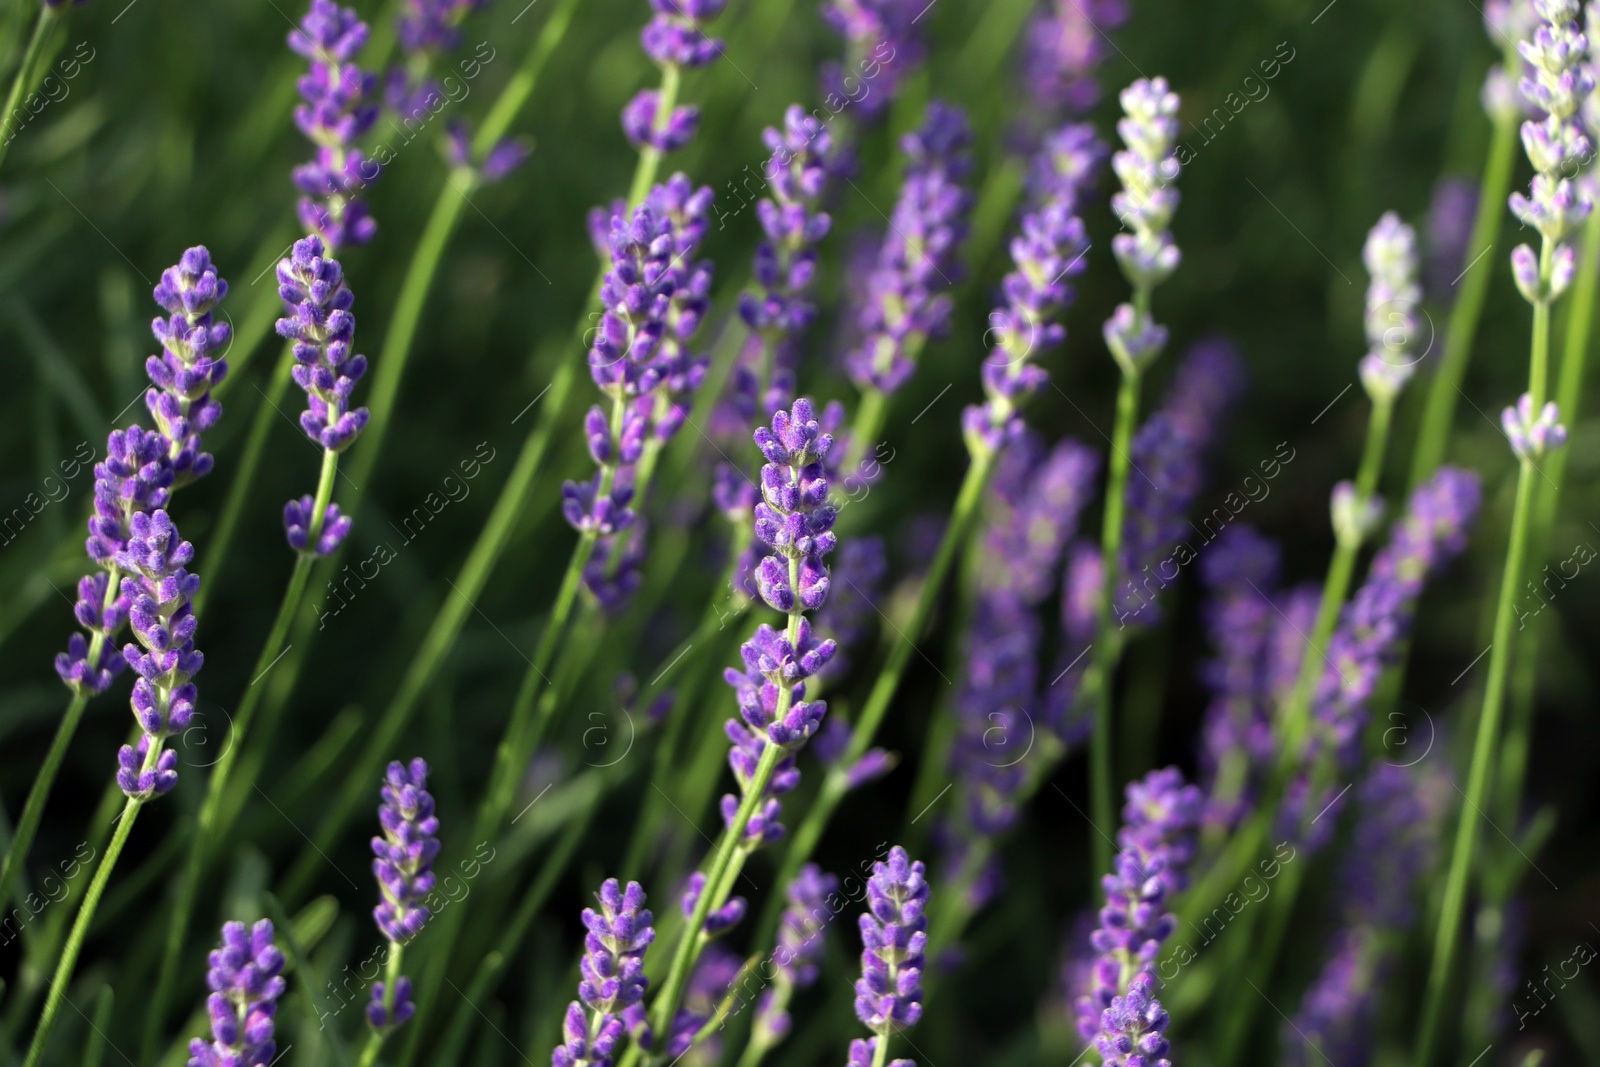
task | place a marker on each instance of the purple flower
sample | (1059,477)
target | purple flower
(794,518)
(1082,585)
(1133,1027)
(709,983)
(905,303)
(297,523)
(246,980)
(655,296)
(1156,842)
(336,113)
(718,920)
(894,935)
(780,308)
(1556,84)
(613,980)
(1066,41)
(322,331)
(800,947)
(190,364)
(674,35)
(403,856)
(883,45)
(1050,248)
(1168,451)
(1451,215)
(1372,625)
(1241,575)
(1031,513)
(158,590)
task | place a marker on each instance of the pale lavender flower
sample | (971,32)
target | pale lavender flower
(1531,435)
(1371,627)
(337,111)
(246,980)
(1392,315)
(1558,82)
(1147,168)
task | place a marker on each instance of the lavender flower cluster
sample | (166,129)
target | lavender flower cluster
(655,295)
(610,995)
(905,304)
(338,110)
(1119,1012)
(674,39)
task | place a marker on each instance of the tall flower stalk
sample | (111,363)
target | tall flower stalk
(1147,167)
(1504,110)
(1393,295)
(795,522)
(157,587)
(139,474)
(1558,84)
(894,940)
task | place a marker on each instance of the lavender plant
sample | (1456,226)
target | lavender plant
(983,688)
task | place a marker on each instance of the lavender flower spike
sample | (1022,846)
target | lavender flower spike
(403,865)
(905,301)
(133,479)
(1147,168)
(1558,83)
(1393,295)
(187,370)
(674,39)
(246,980)
(1050,248)
(158,591)
(336,113)
(1157,842)
(894,936)
(613,981)
(882,46)
(322,329)
(800,947)
(795,522)
(1531,435)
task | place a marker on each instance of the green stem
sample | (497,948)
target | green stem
(693,937)
(1569,394)
(24,77)
(1455,891)
(644,175)
(391,976)
(201,840)
(1445,389)
(1103,666)
(33,809)
(80,929)
(1296,719)
(835,784)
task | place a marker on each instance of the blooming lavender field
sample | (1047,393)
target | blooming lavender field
(876,532)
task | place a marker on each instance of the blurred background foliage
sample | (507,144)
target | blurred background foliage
(178,132)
